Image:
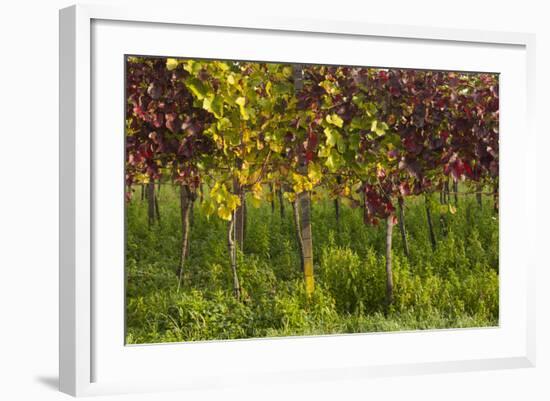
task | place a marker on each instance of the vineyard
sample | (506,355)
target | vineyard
(262,199)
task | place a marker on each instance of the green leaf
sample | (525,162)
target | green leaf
(213,104)
(287,71)
(314,172)
(335,119)
(378,128)
(340,144)
(371,109)
(217,106)
(223,124)
(373,125)
(333,161)
(193,66)
(281,89)
(358,100)
(209,207)
(324,151)
(331,137)
(357,123)
(354,140)
(197,88)
(222,65)
(241,101)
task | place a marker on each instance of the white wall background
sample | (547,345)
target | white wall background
(29,199)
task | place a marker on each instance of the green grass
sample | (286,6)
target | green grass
(455,285)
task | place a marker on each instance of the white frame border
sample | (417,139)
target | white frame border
(76,170)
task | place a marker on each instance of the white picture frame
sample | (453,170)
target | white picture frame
(82,344)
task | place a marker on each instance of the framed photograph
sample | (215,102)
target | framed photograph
(279,200)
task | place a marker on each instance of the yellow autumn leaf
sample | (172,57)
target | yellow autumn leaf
(243,177)
(241,101)
(275,147)
(290,196)
(252,178)
(224,212)
(257,191)
(232,201)
(171,64)
(222,65)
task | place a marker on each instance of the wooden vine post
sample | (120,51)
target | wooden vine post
(402,229)
(430,222)
(304,208)
(389,274)
(151,202)
(233,255)
(186,203)
(239,215)
(337,208)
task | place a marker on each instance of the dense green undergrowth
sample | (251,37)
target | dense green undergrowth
(455,285)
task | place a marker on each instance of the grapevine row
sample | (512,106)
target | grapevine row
(369,137)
